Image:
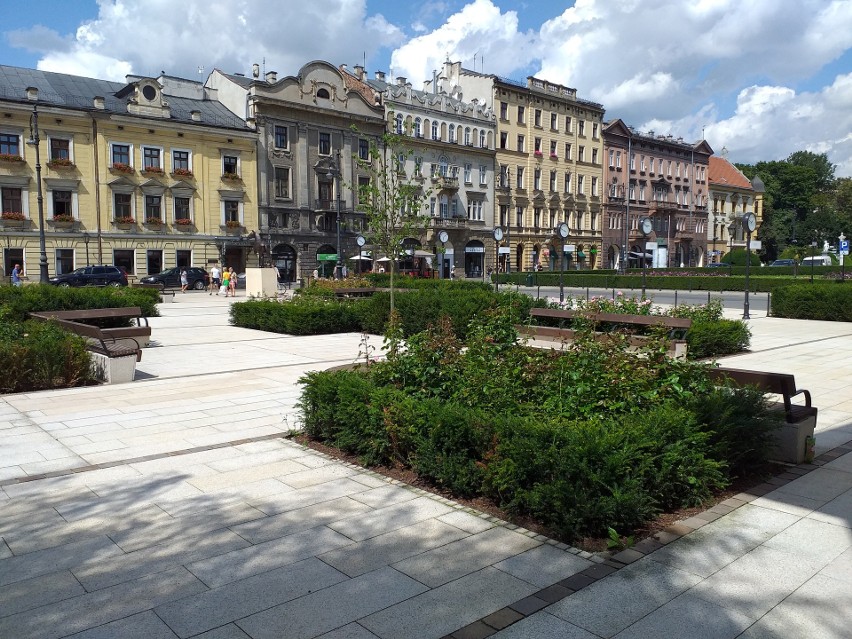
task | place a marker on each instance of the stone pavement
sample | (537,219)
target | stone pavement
(171,507)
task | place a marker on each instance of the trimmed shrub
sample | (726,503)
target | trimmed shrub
(301,316)
(819,301)
(20,301)
(716,338)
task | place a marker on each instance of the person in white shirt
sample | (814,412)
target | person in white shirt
(215,280)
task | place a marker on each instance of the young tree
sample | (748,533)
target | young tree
(392,200)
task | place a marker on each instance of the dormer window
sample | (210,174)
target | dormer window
(149,93)
(323,93)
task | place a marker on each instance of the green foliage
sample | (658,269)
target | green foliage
(301,316)
(830,301)
(39,355)
(20,301)
(739,257)
(717,338)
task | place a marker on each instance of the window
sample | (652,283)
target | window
(282,140)
(677,169)
(567,124)
(611,159)
(363,149)
(538,146)
(418,129)
(12,200)
(554,125)
(594,187)
(504,111)
(519,216)
(567,181)
(618,159)
(180,161)
(595,130)
(581,154)
(151,158)
(10,144)
(182,208)
(578,217)
(504,176)
(60,149)
(632,161)
(62,203)
(434,130)
(642,164)
(519,181)
(121,154)
(504,140)
(537,118)
(454,208)
(64,261)
(504,215)
(581,127)
(537,179)
(323,93)
(452,137)
(567,150)
(153,207)
(553,148)
(444,207)
(474,210)
(537,217)
(432,206)
(651,166)
(669,167)
(468,173)
(594,221)
(483,175)
(521,115)
(282,182)
(553,181)
(122,205)
(641,192)
(553,218)
(580,184)
(325,143)
(418,166)
(520,143)
(363,188)
(230,165)
(594,156)
(125,259)
(482,142)
(231,209)
(467,140)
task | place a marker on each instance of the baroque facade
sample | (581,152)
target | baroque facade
(308,172)
(148,174)
(549,154)
(660,178)
(731,196)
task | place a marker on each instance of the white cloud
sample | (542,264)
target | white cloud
(133,36)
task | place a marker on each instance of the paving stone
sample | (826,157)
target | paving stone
(219,606)
(472,523)
(468,555)
(577,582)
(814,540)
(629,595)
(145,625)
(542,625)
(599,572)
(543,566)
(349,631)
(240,564)
(628,556)
(38,591)
(476,630)
(368,555)
(502,618)
(385,496)
(823,483)
(449,607)
(529,605)
(553,593)
(386,519)
(42,562)
(840,568)
(836,512)
(332,607)
(705,621)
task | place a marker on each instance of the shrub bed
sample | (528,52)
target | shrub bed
(302,316)
(760,280)
(19,301)
(830,301)
(582,439)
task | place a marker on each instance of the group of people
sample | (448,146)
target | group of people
(223,281)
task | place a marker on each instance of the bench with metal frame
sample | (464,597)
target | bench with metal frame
(140,333)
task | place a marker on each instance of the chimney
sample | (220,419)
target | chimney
(272,76)
(99,102)
(400,81)
(195,115)
(359,72)
(380,76)
(32,93)
(255,71)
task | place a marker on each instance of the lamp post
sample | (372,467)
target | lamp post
(561,230)
(339,268)
(34,140)
(498,235)
(813,253)
(360,241)
(443,237)
(750,223)
(646,226)
(86,238)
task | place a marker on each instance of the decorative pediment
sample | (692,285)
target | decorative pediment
(153,187)
(122,185)
(182,189)
(228,194)
(62,184)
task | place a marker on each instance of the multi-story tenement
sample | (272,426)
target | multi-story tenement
(452,156)
(731,196)
(661,178)
(146,174)
(307,149)
(549,149)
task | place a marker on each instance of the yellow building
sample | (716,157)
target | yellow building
(148,174)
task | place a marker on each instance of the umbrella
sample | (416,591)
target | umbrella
(419,253)
(362,257)
(383,259)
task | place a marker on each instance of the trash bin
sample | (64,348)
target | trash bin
(529,280)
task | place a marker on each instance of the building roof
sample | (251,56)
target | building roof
(361,87)
(78,92)
(723,173)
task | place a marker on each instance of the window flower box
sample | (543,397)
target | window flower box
(13,216)
(9,157)
(537,153)
(553,156)
(183,224)
(121,167)
(153,221)
(63,221)
(61,163)
(232,177)
(182,173)
(233,224)
(152,170)
(124,222)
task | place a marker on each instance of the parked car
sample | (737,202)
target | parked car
(783,263)
(816,260)
(98,275)
(170,278)
(718,265)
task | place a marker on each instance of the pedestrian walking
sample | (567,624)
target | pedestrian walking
(16,275)
(232,281)
(215,279)
(184,280)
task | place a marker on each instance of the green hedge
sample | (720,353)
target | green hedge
(302,316)
(830,301)
(717,338)
(20,301)
(760,280)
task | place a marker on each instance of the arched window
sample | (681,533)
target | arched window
(435,130)
(417,131)
(452,133)
(323,93)
(482,142)
(467,141)
(399,124)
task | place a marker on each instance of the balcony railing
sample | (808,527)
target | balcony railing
(446,182)
(448,222)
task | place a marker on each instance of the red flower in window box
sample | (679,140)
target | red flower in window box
(13,216)
(233,224)
(63,218)
(124,220)
(553,156)
(8,157)
(234,177)
(537,153)
(153,221)
(121,167)
(60,163)
(182,172)
(156,170)
(183,221)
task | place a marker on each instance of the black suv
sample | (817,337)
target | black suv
(92,276)
(197,278)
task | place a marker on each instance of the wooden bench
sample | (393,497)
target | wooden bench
(792,443)
(113,357)
(164,292)
(140,334)
(677,327)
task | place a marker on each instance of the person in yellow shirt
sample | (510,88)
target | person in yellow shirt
(226,282)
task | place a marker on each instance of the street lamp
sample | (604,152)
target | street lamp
(750,223)
(498,235)
(360,241)
(443,238)
(562,231)
(34,140)
(338,268)
(86,238)
(645,226)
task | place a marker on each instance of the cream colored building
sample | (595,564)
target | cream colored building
(731,196)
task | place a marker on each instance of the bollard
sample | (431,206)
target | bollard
(708,298)
(587,293)
(675,298)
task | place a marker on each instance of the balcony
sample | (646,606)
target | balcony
(325,205)
(448,222)
(446,183)
(281,221)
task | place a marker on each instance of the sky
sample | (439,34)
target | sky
(758,78)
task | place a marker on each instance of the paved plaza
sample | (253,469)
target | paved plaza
(172,507)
